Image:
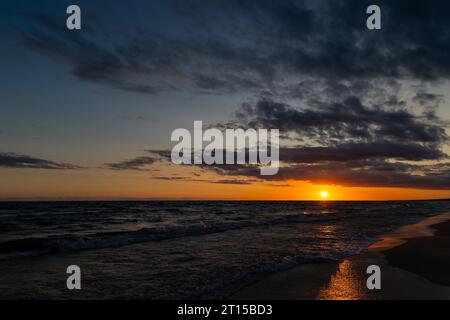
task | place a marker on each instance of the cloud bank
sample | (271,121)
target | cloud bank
(13,160)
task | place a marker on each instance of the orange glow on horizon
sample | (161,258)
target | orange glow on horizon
(106,185)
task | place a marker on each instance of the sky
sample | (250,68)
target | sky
(88,114)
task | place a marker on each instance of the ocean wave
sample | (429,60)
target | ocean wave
(27,247)
(223,287)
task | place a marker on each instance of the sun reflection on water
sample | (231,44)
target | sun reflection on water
(345,284)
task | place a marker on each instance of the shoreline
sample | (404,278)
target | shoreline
(413,259)
(426,256)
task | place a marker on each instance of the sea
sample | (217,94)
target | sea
(181,249)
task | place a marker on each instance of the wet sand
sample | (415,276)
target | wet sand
(428,257)
(414,262)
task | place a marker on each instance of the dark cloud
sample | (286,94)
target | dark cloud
(219,181)
(349,119)
(257,45)
(430,100)
(329,39)
(353,174)
(370,175)
(172,178)
(146,62)
(350,143)
(234,181)
(89,60)
(357,165)
(358,151)
(138,163)
(373,164)
(13,160)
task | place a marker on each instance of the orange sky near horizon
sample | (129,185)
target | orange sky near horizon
(103,184)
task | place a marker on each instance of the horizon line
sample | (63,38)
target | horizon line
(205,200)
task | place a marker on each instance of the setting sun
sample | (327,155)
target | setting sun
(324,194)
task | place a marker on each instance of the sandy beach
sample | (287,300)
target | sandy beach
(414,262)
